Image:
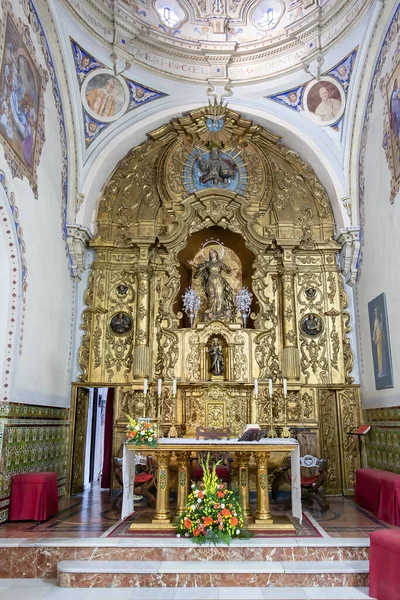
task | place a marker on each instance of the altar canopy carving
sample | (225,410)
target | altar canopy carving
(214,202)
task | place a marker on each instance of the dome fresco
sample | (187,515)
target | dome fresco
(240,40)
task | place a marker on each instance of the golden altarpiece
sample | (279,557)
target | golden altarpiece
(213,183)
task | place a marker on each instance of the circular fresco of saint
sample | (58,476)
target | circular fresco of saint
(311,325)
(121,323)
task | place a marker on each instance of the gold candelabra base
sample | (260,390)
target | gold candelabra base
(285,432)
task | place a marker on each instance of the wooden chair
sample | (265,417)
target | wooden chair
(224,469)
(311,485)
(144,481)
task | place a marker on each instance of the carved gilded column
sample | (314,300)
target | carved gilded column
(183,481)
(162,515)
(141,357)
(263,514)
(243,459)
(290,356)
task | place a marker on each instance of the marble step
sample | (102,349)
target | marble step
(29,558)
(175,574)
(246,593)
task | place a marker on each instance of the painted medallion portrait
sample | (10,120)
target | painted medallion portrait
(21,101)
(324,101)
(104,95)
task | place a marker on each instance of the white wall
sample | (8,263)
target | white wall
(40,375)
(380,267)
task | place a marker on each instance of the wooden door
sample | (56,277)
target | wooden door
(79,421)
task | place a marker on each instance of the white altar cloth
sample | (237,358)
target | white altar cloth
(128,466)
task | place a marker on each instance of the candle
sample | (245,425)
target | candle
(145,384)
(159,389)
(174,387)
(270,386)
(256,387)
(285,387)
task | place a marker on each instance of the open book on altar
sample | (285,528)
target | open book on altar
(252,433)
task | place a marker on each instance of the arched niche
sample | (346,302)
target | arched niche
(195,241)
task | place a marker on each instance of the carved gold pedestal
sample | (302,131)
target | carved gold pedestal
(263,514)
(162,514)
(243,482)
(263,518)
(183,481)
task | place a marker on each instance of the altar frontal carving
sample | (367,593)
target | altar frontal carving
(214,204)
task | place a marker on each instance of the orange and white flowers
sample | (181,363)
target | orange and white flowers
(206,519)
(141,433)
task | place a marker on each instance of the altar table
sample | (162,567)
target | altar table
(183,448)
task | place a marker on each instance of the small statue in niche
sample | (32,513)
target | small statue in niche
(121,323)
(217,169)
(312,325)
(219,294)
(216,358)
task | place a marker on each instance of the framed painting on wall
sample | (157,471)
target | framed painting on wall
(380,342)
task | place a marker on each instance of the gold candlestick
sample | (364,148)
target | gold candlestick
(172,433)
(285,430)
(271,431)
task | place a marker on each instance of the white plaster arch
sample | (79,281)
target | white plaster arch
(303,137)
(360,105)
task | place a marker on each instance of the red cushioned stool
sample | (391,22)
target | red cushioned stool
(368,485)
(384,565)
(34,497)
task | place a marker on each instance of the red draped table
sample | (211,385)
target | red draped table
(34,497)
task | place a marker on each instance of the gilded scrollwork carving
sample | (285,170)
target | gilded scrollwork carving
(313,359)
(335,338)
(193,358)
(84,350)
(119,355)
(349,408)
(240,362)
(347,351)
(329,440)
(308,406)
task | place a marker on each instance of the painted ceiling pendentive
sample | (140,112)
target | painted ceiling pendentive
(105,96)
(323,100)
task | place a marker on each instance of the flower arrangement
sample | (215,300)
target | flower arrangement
(141,433)
(213,513)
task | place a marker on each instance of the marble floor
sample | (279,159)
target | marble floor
(91,515)
(46,589)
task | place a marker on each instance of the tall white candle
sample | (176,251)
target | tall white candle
(256,387)
(270,386)
(145,384)
(174,387)
(285,387)
(159,389)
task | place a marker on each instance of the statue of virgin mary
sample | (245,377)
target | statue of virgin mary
(219,294)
